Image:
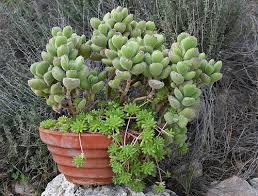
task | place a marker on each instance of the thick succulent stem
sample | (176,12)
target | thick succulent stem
(161,109)
(109,91)
(125,91)
(92,97)
(149,96)
(91,106)
(71,109)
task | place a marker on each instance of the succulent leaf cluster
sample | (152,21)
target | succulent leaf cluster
(189,72)
(117,22)
(79,160)
(130,49)
(62,77)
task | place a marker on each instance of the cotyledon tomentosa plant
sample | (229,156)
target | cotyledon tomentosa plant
(62,77)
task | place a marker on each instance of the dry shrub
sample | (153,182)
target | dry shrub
(225,140)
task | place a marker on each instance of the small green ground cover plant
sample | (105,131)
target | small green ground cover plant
(143,98)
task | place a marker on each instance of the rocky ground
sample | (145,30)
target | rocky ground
(59,186)
(233,186)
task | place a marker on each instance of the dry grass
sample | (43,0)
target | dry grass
(223,138)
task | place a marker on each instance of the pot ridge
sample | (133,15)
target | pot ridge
(64,146)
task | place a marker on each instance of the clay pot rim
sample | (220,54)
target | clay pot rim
(57,132)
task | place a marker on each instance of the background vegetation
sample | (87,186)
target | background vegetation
(223,140)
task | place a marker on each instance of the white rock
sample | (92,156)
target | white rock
(137,194)
(59,186)
(233,186)
(22,189)
(254,183)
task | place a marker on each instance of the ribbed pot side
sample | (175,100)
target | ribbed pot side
(64,146)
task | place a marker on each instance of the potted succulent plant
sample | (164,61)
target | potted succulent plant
(70,86)
(120,119)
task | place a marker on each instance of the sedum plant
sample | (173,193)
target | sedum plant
(136,149)
(152,93)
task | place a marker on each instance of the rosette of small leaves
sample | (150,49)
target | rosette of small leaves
(79,160)
(78,126)
(135,159)
(63,124)
(159,187)
(48,124)
(62,76)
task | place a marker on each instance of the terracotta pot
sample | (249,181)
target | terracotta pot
(64,146)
